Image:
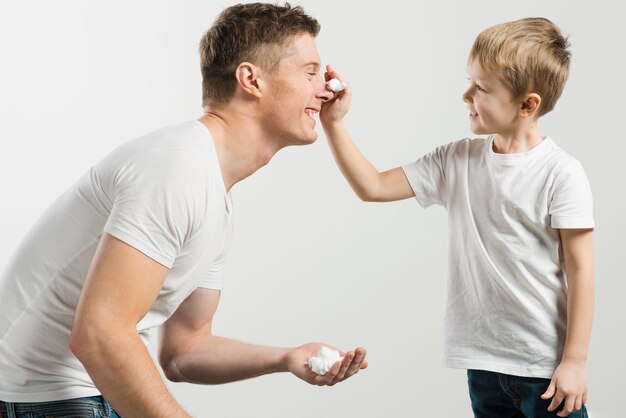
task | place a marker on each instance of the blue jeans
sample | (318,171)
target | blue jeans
(496,395)
(90,407)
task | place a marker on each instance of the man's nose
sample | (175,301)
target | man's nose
(322,91)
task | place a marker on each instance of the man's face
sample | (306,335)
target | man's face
(295,93)
(492,109)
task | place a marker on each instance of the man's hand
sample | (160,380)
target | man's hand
(568,386)
(296,360)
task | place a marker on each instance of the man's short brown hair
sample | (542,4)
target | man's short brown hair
(258,33)
(528,56)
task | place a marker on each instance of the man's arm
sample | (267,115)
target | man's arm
(121,286)
(569,382)
(189,352)
(366,181)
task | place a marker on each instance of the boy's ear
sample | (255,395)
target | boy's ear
(530,104)
(248,77)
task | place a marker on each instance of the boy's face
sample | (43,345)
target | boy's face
(492,108)
(295,94)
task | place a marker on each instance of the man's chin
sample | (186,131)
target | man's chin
(312,139)
(306,141)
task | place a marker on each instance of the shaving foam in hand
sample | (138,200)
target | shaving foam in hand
(324,361)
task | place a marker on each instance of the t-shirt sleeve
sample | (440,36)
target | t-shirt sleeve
(213,277)
(427,177)
(571,206)
(158,202)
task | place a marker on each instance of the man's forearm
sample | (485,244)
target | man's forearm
(124,372)
(209,359)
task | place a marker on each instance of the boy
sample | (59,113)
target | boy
(520,291)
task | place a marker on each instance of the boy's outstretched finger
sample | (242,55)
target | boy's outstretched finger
(333,74)
(328,74)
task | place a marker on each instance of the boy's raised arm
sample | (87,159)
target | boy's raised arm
(367,182)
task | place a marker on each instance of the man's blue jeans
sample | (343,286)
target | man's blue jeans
(496,395)
(91,407)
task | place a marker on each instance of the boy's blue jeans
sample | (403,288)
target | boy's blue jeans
(90,407)
(496,395)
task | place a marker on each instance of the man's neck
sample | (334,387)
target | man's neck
(240,143)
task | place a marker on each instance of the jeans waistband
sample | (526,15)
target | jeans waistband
(92,406)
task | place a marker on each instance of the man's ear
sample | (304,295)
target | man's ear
(530,104)
(248,77)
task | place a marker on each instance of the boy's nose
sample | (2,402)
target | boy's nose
(467,96)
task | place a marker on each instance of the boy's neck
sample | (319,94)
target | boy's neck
(516,141)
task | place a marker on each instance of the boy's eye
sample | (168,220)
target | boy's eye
(479,88)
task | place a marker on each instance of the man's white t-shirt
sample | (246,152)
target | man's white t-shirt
(506,299)
(163,194)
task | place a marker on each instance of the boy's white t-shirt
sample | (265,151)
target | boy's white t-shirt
(506,298)
(164,195)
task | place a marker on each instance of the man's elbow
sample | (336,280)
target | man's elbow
(84,344)
(171,373)
(169,367)
(93,341)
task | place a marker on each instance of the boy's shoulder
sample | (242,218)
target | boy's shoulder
(464,143)
(462,147)
(563,166)
(559,158)
(548,154)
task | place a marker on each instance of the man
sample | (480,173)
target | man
(139,241)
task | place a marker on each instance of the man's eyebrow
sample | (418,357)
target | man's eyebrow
(312,63)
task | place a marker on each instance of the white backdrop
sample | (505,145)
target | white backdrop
(310,261)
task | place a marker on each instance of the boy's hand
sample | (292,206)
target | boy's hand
(568,386)
(296,362)
(335,109)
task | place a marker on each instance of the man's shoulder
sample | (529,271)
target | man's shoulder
(186,136)
(179,158)
(170,146)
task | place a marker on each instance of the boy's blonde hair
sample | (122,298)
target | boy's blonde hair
(528,56)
